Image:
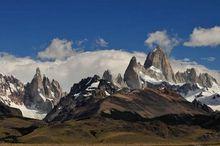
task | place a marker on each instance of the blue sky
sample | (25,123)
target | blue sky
(28,26)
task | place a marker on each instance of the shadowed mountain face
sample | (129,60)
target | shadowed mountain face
(94,97)
(41,94)
(157,73)
(158,59)
(9,111)
(157,69)
(34,99)
(190,76)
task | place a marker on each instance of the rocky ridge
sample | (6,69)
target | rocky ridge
(95,97)
(34,99)
(41,94)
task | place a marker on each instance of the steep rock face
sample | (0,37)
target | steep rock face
(159,60)
(156,69)
(120,81)
(94,97)
(116,80)
(11,90)
(41,94)
(107,75)
(131,75)
(83,99)
(190,76)
(206,80)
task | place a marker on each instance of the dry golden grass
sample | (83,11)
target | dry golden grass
(162,144)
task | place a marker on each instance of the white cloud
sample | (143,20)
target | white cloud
(204,37)
(72,69)
(209,59)
(81,43)
(162,39)
(100,42)
(58,49)
(82,64)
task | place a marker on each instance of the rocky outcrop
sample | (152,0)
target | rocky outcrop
(9,111)
(206,80)
(200,105)
(116,80)
(95,97)
(159,60)
(120,81)
(11,90)
(156,69)
(107,75)
(83,99)
(190,76)
(131,75)
(41,94)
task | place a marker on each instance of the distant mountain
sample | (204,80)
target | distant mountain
(41,94)
(34,99)
(132,94)
(158,73)
(95,97)
(118,81)
(157,59)
(83,99)
(150,104)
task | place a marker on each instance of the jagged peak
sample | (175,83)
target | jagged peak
(107,72)
(133,61)
(190,70)
(133,58)
(38,72)
(107,75)
(119,78)
(159,60)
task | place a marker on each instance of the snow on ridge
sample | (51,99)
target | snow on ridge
(26,112)
(156,69)
(147,78)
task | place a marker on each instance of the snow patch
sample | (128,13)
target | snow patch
(42,96)
(26,112)
(147,78)
(95,84)
(156,69)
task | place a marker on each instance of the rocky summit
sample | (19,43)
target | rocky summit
(157,73)
(158,59)
(83,99)
(34,99)
(95,97)
(41,94)
(190,76)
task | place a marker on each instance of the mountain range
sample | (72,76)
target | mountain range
(149,103)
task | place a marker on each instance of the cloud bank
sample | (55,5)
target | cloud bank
(58,49)
(162,39)
(202,37)
(69,66)
(100,42)
(209,59)
(70,70)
